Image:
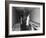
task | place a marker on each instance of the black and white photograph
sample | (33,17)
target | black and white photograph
(25,19)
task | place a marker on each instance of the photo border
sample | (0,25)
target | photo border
(7,18)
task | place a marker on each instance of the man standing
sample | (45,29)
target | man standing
(25,20)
